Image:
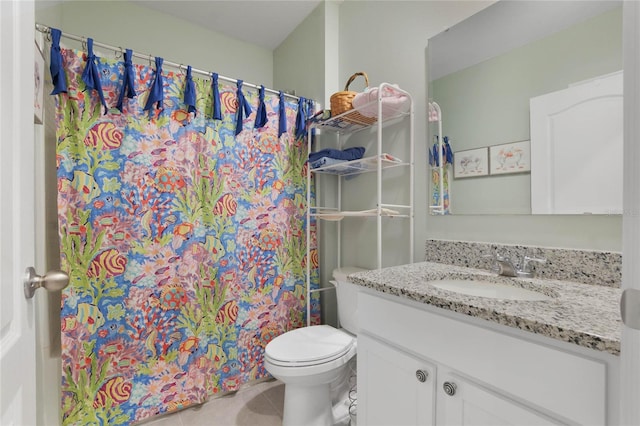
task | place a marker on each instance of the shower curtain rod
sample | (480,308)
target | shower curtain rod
(47,30)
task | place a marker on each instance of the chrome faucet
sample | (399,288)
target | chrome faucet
(505,266)
(525,270)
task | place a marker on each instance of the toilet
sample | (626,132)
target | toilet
(315,363)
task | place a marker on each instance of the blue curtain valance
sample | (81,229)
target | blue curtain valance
(91,78)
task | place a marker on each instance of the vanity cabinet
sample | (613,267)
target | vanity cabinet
(396,388)
(476,375)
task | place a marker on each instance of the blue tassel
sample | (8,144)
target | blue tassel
(282,116)
(190,92)
(448,151)
(217,114)
(157,88)
(57,70)
(91,76)
(301,118)
(261,114)
(310,110)
(128,80)
(243,106)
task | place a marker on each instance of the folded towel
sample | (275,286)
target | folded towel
(348,154)
(394,102)
(325,161)
(338,167)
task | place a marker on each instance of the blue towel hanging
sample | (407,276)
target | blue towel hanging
(190,92)
(301,118)
(91,76)
(157,88)
(243,106)
(128,80)
(448,150)
(217,114)
(261,113)
(56,67)
(310,110)
(282,116)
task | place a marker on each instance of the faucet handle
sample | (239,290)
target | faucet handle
(495,256)
(494,264)
(526,261)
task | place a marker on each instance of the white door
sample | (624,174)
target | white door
(576,148)
(17,244)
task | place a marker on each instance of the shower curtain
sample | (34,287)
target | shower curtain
(184,236)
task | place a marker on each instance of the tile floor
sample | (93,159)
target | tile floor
(258,404)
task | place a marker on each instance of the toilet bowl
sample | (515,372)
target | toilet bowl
(313,362)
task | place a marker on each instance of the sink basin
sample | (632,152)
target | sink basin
(480,288)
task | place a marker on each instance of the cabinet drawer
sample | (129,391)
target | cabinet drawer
(566,385)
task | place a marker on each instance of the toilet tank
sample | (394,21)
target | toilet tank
(347,298)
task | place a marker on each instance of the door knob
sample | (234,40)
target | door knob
(422,375)
(52,281)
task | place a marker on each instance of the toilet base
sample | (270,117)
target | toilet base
(307,405)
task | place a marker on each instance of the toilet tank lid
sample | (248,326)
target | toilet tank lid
(340,274)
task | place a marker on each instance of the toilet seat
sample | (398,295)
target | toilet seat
(309,346)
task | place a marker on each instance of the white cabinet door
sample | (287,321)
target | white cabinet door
(391,390)
(460,402)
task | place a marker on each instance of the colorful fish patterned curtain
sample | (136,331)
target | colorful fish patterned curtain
(185,244)
(435,188)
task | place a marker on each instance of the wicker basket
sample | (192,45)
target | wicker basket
(341,102)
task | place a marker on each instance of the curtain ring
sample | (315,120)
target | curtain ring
(149,59)
(84,44)
(119,54)
(180,71)
(48,35)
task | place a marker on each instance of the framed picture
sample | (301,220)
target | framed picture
(512,157)
(470,163)
(38,93)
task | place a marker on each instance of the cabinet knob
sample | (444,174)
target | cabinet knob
(449,388)
(422,375)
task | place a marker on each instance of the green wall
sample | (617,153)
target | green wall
(124,23)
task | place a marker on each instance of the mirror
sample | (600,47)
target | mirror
(482,74)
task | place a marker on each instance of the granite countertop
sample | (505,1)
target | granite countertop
(582,314)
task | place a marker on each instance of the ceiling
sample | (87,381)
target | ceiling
(265,23)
